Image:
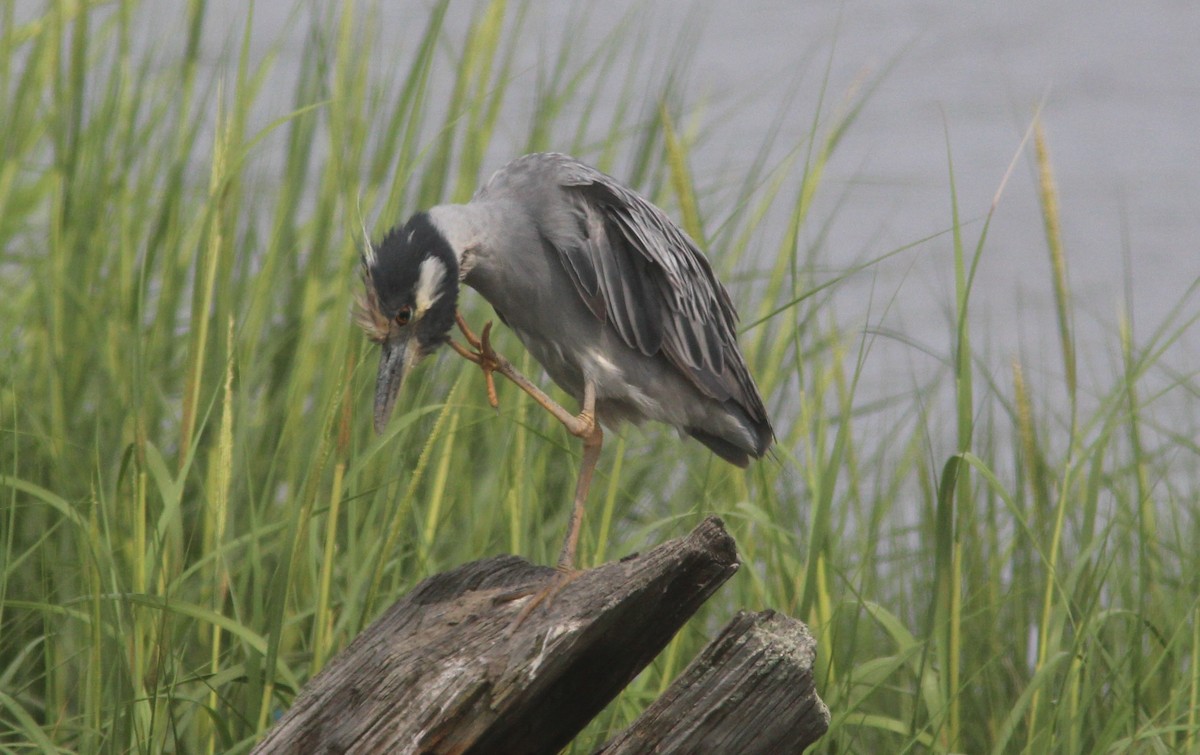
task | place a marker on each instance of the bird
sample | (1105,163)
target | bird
(613,299)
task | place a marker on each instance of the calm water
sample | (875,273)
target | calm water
(1119,87)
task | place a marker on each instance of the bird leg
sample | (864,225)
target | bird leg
(591,454)
(582,425)
(567,572)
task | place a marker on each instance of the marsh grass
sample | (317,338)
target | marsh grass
(196,515)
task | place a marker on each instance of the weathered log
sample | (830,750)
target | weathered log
(447,669)
(750,692)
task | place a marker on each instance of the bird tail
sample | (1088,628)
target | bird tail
(721,447)
(755,441)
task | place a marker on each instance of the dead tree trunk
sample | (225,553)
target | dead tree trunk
(450,669)
(750,691)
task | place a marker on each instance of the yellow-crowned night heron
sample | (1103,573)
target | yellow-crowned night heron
(612,298)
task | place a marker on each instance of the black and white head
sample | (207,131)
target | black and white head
(409,302)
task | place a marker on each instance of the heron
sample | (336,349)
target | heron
(613,299)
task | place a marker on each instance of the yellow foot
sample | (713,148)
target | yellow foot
(481,353)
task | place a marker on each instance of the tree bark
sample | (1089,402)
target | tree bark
(450,669)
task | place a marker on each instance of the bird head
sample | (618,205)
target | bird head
(408,304)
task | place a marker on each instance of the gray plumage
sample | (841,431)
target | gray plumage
(601,286)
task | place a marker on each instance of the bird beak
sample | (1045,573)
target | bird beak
(398,355)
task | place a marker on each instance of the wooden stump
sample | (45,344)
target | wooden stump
(450,669)
(750,691)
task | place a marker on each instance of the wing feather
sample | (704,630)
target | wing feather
(638,270)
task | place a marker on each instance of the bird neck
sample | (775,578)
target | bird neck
(471,230)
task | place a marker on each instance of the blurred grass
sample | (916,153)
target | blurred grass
(196,516)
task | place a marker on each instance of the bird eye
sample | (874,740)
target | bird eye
(404,315)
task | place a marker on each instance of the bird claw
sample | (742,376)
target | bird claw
(541,597)
(481,353)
